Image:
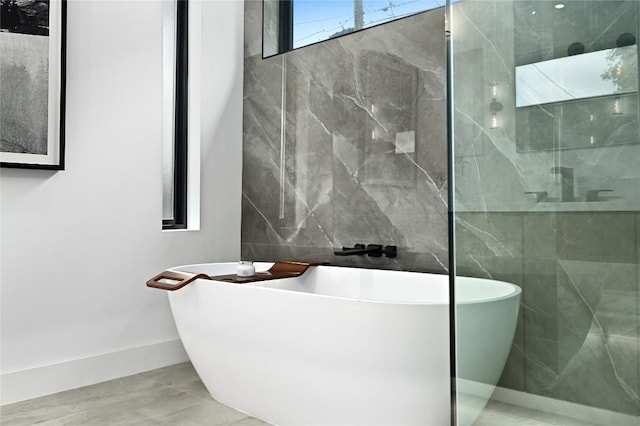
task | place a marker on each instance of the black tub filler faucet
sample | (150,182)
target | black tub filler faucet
(373,250)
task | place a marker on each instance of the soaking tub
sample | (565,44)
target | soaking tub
(335,345)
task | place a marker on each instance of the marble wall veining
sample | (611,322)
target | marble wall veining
(359,154)
(578,336)
(496,169)
(345,141)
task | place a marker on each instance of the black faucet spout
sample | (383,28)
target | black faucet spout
(373,250)
(359,250)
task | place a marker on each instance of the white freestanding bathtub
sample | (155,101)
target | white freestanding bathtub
(335,346)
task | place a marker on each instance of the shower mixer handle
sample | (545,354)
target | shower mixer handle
(541,196)
(390,251)
(594,194)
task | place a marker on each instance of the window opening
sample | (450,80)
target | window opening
(175,100)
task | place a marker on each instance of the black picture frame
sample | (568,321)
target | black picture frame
(32,132)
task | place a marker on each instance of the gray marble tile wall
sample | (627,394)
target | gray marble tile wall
(270,9)
(497,165)
(345,142)
(579,333)
(578,338)
(359,155)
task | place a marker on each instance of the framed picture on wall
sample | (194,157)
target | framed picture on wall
(32,83)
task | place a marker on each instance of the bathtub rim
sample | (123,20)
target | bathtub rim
(515,290)
(262,286)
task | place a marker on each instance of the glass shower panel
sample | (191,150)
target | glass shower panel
(546,195)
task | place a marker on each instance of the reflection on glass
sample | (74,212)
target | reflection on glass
(603,121)
(168,102)
(556,216)
(270,27)
(601,73)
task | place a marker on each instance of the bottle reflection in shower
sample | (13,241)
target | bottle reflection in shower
(245,269)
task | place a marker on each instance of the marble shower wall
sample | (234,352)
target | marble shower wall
(578,337)
(495,167)
(360,153)
(361,156)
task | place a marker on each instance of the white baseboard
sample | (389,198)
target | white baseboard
(44,380)
(591,415)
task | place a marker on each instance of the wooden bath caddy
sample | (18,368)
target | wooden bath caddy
(172,280)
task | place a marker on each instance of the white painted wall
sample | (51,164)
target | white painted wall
(78,245)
